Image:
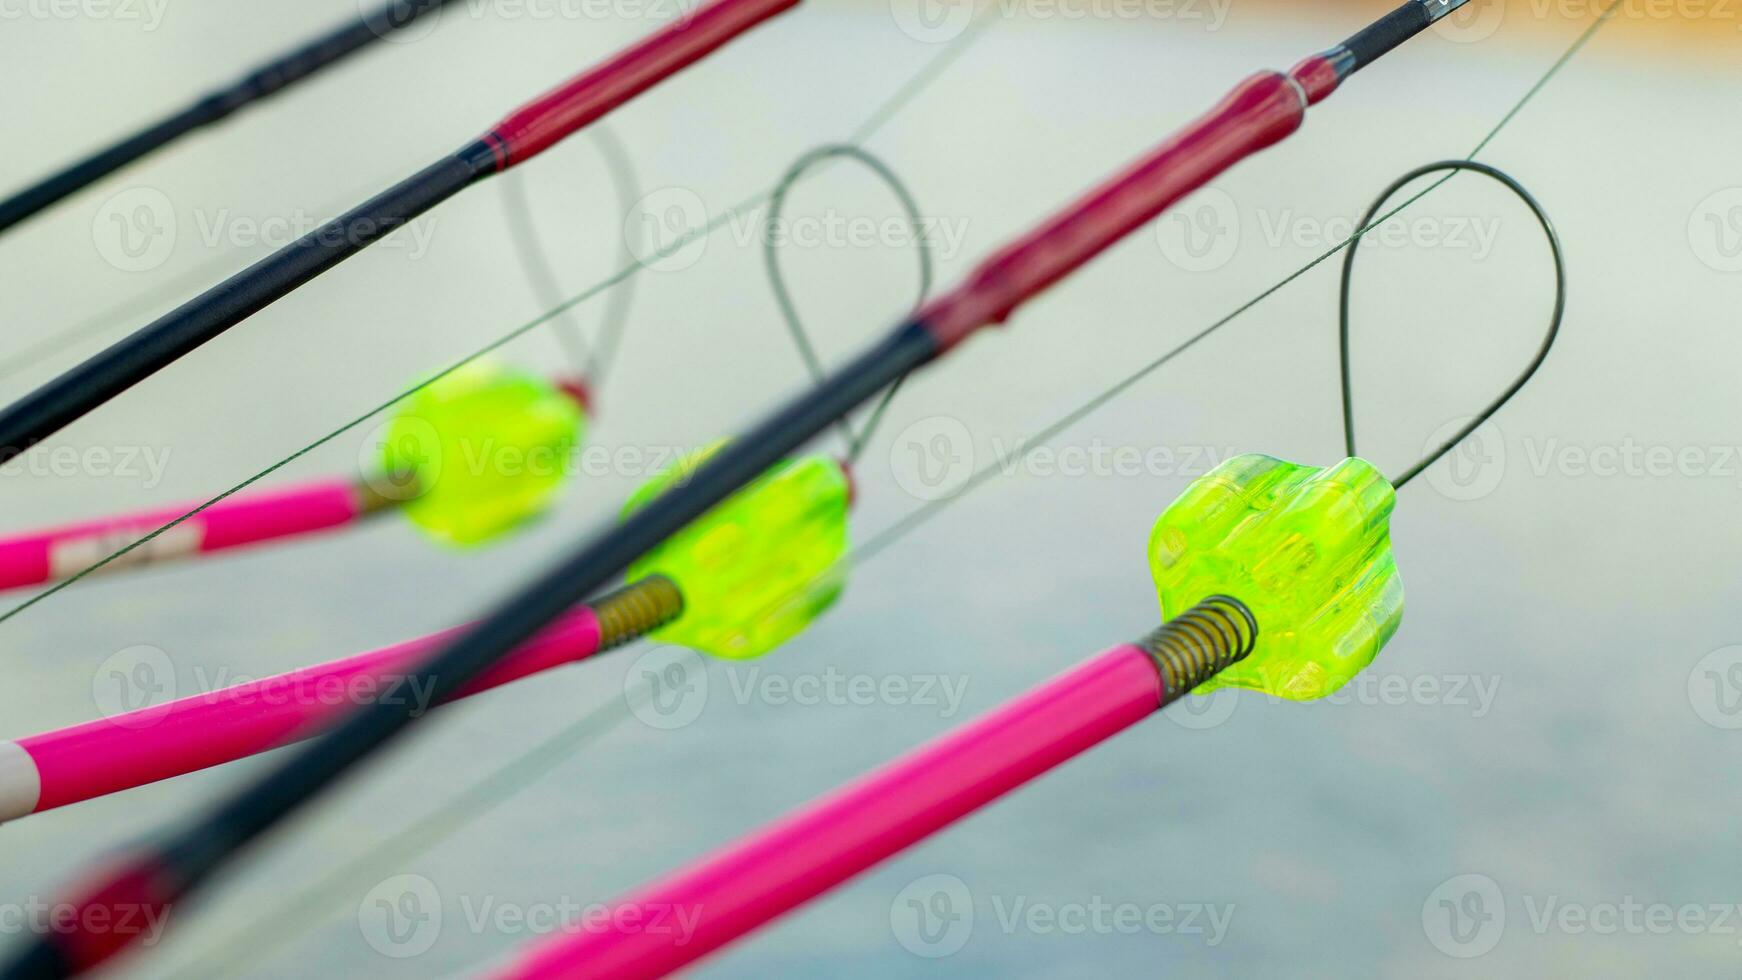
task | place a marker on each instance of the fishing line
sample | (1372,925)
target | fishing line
(123,314)
(312,906)
(1554,323)
(902,97)
(923,514)
(590,361)
(882,542)
(908,525)
(111,319)
(783,296)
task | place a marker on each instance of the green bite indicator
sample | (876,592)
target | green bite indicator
(481,451)
(762,565)
(1307,549)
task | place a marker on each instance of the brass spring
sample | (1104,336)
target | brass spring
(636,610)
(386,491)
(1200,643)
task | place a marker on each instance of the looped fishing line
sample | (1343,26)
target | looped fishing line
(1554,323)
(590,361)
(986,474)
(909,90)
(310,906)
(510,777)
(783,296)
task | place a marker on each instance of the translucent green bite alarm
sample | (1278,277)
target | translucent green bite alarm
(1307,549)
(484,449)
(759,567)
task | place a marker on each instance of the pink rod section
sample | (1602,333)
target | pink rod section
(48,556)
(754,881)
(140,747)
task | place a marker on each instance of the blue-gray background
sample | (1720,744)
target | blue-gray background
(1565,732)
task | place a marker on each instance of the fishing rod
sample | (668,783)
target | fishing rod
(472,456)
(1309,549)
(288,921)
(135,748)
(275,76)
(467,456)
(1261,111)
(787,536)
(522,135)
(1310,552)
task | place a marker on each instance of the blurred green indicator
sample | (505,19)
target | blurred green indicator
(482,450)
(1307,549)
(759,567)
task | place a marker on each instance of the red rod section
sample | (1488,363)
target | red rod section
(769,873)
(542,123)
(1260,112)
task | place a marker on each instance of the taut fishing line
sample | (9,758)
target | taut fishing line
(313,905)
(903,96)
(921,515)
(515,775)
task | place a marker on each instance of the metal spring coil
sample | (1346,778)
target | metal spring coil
(636,610)
(1200,643)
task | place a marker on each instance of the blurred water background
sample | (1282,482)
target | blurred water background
(1557,716)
